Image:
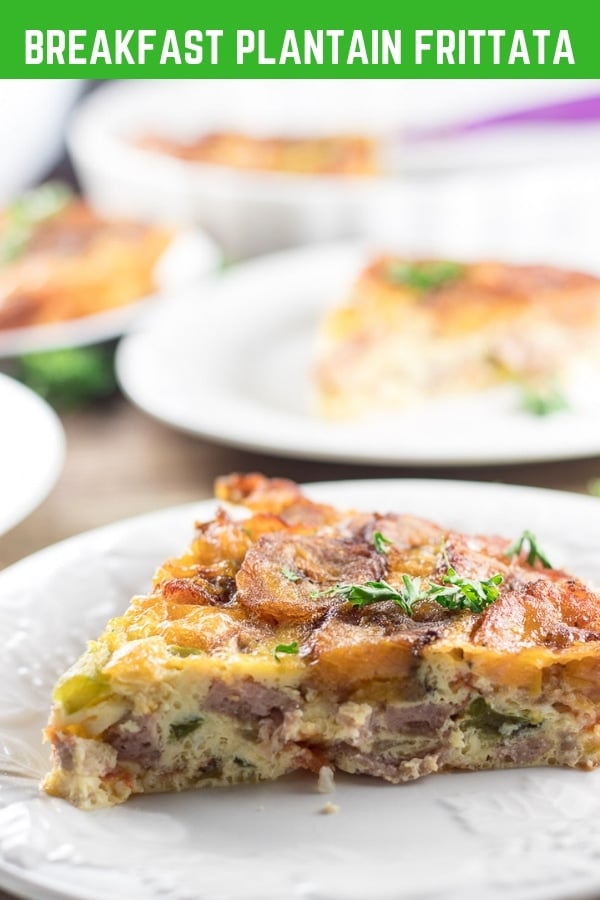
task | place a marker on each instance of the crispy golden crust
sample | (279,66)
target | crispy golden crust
(336,155)
(537,607)
(401,337)
(370,689)
(76,264)
(481,294)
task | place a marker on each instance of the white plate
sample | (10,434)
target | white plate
(32,449)
(253,212)
(237,370)
(190,257)
(33,114)
(527,834)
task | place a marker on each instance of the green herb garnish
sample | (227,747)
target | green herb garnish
(465,593)
(381,543)
(180,730)
(543,401)
(534,554)
(424,276)
(31,209)
(69,378)
(286,648)
(377,591)
(290,574)
(454,592)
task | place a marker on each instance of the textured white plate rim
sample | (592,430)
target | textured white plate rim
(276,430)
(112,323)
(478,496)
(38,482)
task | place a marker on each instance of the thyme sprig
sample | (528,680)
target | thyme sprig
(381,543)
(528,541)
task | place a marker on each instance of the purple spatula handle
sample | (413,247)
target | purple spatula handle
(582,109)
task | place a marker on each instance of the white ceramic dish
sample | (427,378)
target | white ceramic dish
(252,212)
(524,834)
(190,257)
(32,452)
(238,370)
(34,112)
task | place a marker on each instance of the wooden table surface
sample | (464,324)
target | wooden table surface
(120,463)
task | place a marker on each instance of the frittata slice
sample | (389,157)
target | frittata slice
(333,155)
(416,329)
(60,260)
(298,636)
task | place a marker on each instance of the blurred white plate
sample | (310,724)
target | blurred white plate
(251,212)
(33,114)
(190,257)
(520,834)
(32,452)
(237,370)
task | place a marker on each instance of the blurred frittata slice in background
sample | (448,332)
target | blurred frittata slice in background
(412,330)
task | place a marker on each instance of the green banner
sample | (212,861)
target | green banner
(309,40)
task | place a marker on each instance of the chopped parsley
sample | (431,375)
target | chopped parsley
(179,730)
(544,400)
(290,574)
(454,592)
(286,648)
(381,543)
(465,593)
(426,275)
(377,591)
(534,554)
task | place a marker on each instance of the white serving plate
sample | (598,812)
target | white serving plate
(525,834)
(189,258)
(32,450)
(237,370)
(34,112)
(255,212)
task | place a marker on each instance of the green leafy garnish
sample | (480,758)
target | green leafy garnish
(184,651)
(377,591)
(455,592)
(286,648)
(534,554)
(180,730)
(543,401)
(69,378)
(424,276)
(290,574)
(381,543)
(243,763)
(31,209)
